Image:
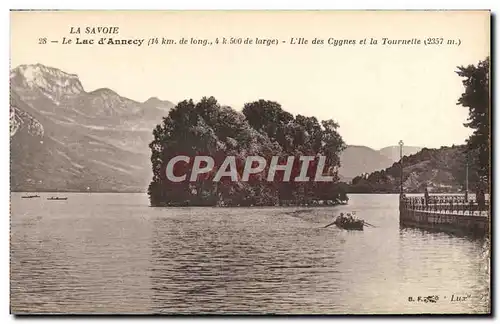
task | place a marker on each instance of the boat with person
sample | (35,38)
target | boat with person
(31,196)
(57,198)
(350,222)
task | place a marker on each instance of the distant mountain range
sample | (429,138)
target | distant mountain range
(356,160)
(64,138)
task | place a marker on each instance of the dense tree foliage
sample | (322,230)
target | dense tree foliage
(263,129)
(476,98)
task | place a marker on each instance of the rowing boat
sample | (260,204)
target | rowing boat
(349,223)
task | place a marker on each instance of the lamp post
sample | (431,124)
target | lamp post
(401,163)
(467,178)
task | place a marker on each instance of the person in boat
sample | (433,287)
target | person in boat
(341,218)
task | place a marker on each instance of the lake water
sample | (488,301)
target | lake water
(111,253)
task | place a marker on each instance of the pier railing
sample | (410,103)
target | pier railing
(447,205)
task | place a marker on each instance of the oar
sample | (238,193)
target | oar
(329,225)
(366,223)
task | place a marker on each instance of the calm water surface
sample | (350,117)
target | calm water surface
(111,253)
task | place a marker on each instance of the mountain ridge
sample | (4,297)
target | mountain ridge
(438,170)
(95,139)
(51,110)
(359,159)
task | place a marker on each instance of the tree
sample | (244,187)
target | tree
(263,129)
(298,136)
(476,97)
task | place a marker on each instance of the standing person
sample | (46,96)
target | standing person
(426,196)
(477,196)
(481,199)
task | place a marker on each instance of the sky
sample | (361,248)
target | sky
(378,94)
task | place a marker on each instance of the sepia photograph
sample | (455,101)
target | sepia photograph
(250,162)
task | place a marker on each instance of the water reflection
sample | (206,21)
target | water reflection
(232,264)
(102,258)
(437,263)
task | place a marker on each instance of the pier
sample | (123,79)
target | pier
(453,214)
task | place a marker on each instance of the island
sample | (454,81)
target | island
(261,129)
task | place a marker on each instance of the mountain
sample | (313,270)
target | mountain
(392,152)
(440,170)
(356,160)
(64,138)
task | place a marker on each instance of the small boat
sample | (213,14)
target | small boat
(349,222)
(31,196)
(57,198)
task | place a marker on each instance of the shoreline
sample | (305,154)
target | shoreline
(261,206)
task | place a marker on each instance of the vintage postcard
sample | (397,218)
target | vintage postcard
(250,162)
